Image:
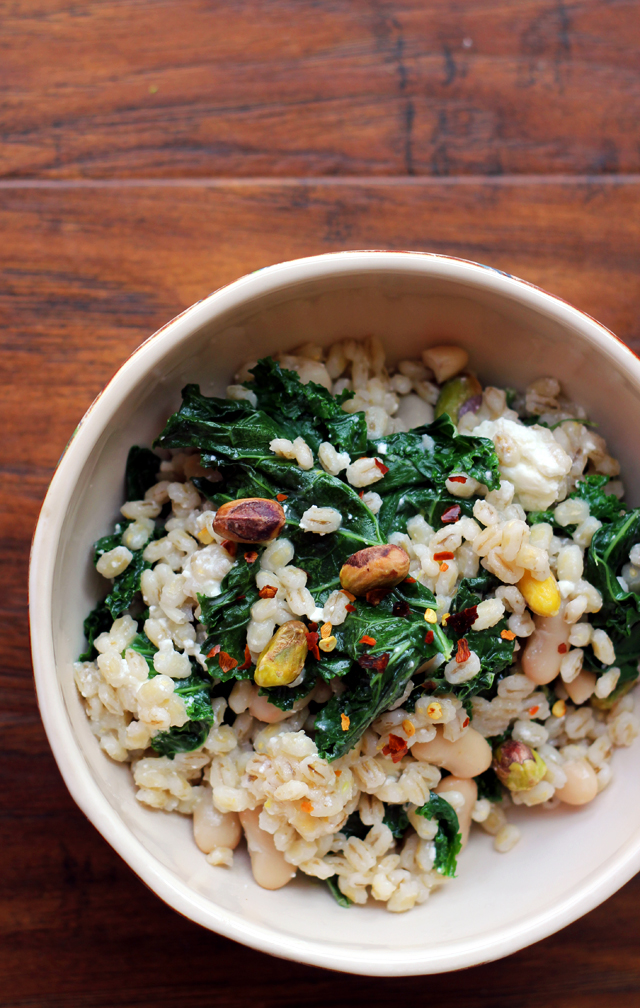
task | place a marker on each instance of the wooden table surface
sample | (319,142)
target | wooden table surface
(152,150)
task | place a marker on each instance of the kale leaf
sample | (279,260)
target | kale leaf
(397,820)
(196,693)
(126,585)
(448,841)
(603,506)
(98,621)
(608,552)
(308,410)
(489,786)
(142,468)
(109,542)
(284,697)
(226,616)
(337,894)
(143,646)
(190,736)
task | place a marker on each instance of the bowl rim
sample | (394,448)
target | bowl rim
(85,791)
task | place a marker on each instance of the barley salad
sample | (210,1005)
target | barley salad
(353,610)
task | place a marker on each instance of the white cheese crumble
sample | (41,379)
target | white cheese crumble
(530,458)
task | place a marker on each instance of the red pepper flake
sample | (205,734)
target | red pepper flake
(401,609)
(361,494)
(313,627)
(345,721)
(367,640)
(247,659)
(281,497)
(451,514)
(381,466)
(429,637)
(444,567)
(445,555)
(376,595)
(410,580)
(463,651)
(338,773)
(312,644)
(350,608)
(251,556)
(231,547)
(306,806)
(507,635)
(457,479)
(462,621)
(376,662)
(465,722)
(351,597)
(239,598)
(214,651)
(396,748)
(226,662)
(533,711)
(562,648)
(269,591)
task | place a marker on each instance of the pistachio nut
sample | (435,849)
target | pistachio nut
(282,660)
(374,567)
(455,393)
(517,766)
(249,520)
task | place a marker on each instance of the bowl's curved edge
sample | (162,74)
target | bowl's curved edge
(75,772)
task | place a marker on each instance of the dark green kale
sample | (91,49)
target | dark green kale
(109,542)
(307,411)
(338,896)
(430,454)
(448,841)
(430,501)
(196,693)
(126,585)
(397,820)
(143,646)
(354,826)
(607,554)
(142,468)
(489,786)
(603,506)
(226,616)
(284,697)
(380,672)
(98,621)
(190,736)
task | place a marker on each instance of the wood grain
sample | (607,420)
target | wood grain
(121,88)
(85,275)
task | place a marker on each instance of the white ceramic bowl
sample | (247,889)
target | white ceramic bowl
(569,860)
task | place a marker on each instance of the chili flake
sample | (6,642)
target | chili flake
(381,466)
(463,651)
(251,556)
(376,662)
(376,595)
(401,608)
(430,616)
(226,662)
(465,722)
(429,637)
(533,711)
(444,555)
(350,608)
(348,594)
(306,806)
(562,648)
(462,621)
(445,618)
(409,727)
(231,547)
(239,598)
(312,644)
(269,591)
(451,514)
(559,709)
(444,567)
(328,643)
(410,580)
(313,626)
(457,479)
(214,651)
(247,659)
(281,497)
(367,640)
(345,721)
(325,630)
(396,748)
(338,773)
(434,710)
(507,635)
(361,494)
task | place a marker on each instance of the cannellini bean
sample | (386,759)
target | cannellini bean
(541,658)
(261,709)
(582,783)
(582,687)
(469,791)
(468,756)
(270,870)
(212,828)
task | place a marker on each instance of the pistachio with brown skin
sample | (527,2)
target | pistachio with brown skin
(374,567)
(249,520)
(517,766)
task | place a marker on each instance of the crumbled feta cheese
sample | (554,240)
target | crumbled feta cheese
(530,458)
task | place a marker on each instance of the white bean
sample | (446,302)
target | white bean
(582,687)
(469,791)
(468,756)
(582,783)
(541,658)
(212,828)
(270,870)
